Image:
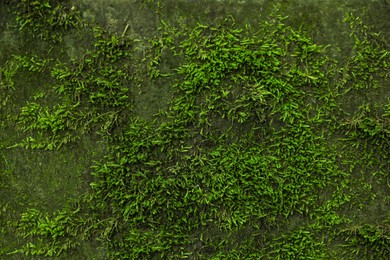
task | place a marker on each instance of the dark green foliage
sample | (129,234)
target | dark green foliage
(301,244)
(55,234)
(367,125)
(368,241)
(47,19)
(92,95)
(96,78)
(253,157)
(370,60)
(56,123)
(156,178)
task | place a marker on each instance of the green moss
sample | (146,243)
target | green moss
(256,154)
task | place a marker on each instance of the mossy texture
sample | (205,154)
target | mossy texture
(188,130)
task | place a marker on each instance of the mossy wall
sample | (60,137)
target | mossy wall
(194,129)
